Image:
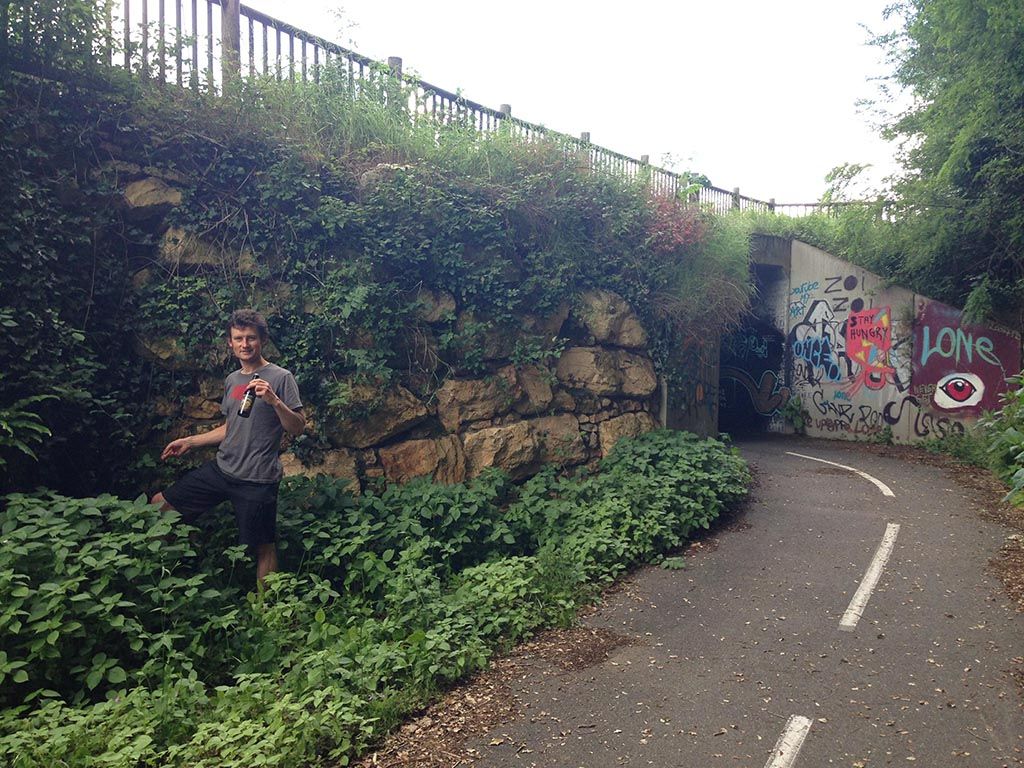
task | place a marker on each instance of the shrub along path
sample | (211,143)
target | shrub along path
(127,640)
(712,661)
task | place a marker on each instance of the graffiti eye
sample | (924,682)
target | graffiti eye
(959,390)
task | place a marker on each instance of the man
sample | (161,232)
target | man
(247,469)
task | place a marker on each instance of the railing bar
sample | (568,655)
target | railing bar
(5,35)
(277,58)
(291,59)
(304,35)
(127,38)
(145,38)
(161,45)
(178,62)
(193,67)
(252,51)
(303,61)
(108,26)
(266,45)
(209,47)
(316,63)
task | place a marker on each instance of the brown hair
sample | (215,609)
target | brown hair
(248,318)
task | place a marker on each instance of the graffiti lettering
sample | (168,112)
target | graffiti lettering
(838,425)
(749,345)
(956,343)
(803,294)
(829,408)
(840,303)
(868,341)
(805,288)
(832,283)
(817,350)
(925,423)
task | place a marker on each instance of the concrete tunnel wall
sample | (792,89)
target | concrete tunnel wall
(861,356)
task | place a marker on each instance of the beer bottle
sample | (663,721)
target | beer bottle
(247,400)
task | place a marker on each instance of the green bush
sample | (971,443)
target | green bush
(1005,432)
(971,446)
(122,643)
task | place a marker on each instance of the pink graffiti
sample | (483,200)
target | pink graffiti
(868,341)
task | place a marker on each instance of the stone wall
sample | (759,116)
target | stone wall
(518,418)
(570,412)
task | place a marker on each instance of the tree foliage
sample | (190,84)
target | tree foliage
(961,225)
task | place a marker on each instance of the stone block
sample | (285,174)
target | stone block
(442,460)
(627,425)
(386,415)
(610,320)
(600,371)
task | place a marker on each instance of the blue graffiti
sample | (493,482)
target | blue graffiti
(818,351)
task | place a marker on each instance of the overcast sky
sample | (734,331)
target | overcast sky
(756,95)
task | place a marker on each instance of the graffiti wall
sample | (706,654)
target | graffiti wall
(960,369)
(868,360)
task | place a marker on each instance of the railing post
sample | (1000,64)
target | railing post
(393,86)
(771,205)
(585,159)
(230,42)
(736,198)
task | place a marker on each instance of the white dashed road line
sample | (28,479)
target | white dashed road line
(789,743)
(886,491)
(867,584)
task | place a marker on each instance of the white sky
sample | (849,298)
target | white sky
(756,95)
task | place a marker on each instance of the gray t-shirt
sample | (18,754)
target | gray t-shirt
(250,449)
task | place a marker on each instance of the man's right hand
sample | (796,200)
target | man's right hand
(178,447)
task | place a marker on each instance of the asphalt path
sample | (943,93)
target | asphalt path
(761,652)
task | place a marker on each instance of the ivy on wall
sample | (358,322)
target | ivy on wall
(335,233)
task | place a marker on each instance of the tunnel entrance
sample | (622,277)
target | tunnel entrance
(751,394)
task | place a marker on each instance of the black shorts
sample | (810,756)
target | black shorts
(205,487)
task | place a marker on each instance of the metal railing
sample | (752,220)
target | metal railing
(203,44)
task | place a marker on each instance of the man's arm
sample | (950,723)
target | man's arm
(292,421)
(183,445)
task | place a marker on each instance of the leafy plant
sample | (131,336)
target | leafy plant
(1005,431)
(796,415)
(21,428)
(122,642)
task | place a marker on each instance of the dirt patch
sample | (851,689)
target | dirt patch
(1009,566)
(439,737)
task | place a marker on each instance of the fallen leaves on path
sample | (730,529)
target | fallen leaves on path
(439,737)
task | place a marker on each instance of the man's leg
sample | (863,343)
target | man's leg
(266,560)
(256,514)
(159,500)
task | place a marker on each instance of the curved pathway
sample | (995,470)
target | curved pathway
(832,625)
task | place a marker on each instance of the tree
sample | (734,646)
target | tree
(962,233)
